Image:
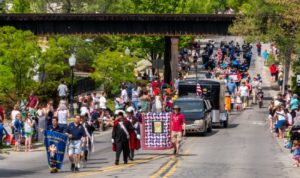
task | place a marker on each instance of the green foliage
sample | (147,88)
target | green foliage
(112,68)
(18,61)
(21,6)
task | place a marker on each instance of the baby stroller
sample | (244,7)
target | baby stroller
(295,133)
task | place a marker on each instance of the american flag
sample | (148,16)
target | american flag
(198,90)
(156,141)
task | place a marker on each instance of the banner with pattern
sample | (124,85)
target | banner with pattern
(157,131)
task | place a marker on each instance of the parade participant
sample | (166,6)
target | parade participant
(49,113)
(120,137)
(75,132)
(54,127)
(135,134)
(244,92)
(177,126)
(86,141)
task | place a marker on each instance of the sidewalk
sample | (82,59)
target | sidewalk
(269,92)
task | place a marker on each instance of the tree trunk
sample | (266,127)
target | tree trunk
(287,64)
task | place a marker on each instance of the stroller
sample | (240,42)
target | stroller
(295,133)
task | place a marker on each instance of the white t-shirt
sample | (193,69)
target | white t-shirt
(62,116)
(158,103)
(281,115)
(102,102)
(244,91)
(14,113)
(124,95)
(62,90)
(27,127)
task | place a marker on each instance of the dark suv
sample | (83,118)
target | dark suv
(197,114)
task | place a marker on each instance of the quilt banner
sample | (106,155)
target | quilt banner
(156,131)
(55,146)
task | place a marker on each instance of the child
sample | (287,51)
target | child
(296,153)
(2,132)
(28,132)
(18,126)
(238,102)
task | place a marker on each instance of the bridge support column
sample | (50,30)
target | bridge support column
(171,59)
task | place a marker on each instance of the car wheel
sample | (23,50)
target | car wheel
(209,129)
(205,131)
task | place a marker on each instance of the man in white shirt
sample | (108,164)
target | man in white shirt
(62,90)
(102,101)
(255,85)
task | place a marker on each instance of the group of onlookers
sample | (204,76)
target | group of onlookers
(284,118)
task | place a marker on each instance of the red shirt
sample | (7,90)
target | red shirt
(177,120)
(2,112)
(273,69)
(156,91)
(32,101)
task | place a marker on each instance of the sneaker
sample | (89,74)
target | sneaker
(117,163)
(175,151)
(72,167)
(76,169)
(125,162)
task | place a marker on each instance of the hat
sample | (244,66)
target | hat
(295,96)
(176,107)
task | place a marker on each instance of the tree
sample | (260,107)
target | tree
(18,61)
(112,68)
(21,6)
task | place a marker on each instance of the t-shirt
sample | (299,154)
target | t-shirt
(294,103)
(77,132)
(33,100)
(231,86)
(244,91)
(62,90)
(177,120)
(124,95)
(1,112)
(27,127)
(62,116)
(281,115)
(102,102)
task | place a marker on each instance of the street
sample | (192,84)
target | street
(245,149)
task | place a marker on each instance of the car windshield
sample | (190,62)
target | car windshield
(190,106)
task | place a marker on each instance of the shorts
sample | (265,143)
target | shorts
(273,75)
(244,99)
(176,136)
(74,147)
(28,134)
(17,137)
(280,124)
(280,82)
(297,157)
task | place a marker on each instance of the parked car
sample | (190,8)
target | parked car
(197,112)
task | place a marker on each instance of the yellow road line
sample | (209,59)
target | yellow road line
(115,167)
(163,168)
(171,165)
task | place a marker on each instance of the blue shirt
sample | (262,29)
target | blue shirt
(57,129)
(2,130)
(265,55)
(231,86)
(19,126)
(77,132)
(294,103)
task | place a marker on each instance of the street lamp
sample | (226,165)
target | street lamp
(72,63)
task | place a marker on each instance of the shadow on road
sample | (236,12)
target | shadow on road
(14,173)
